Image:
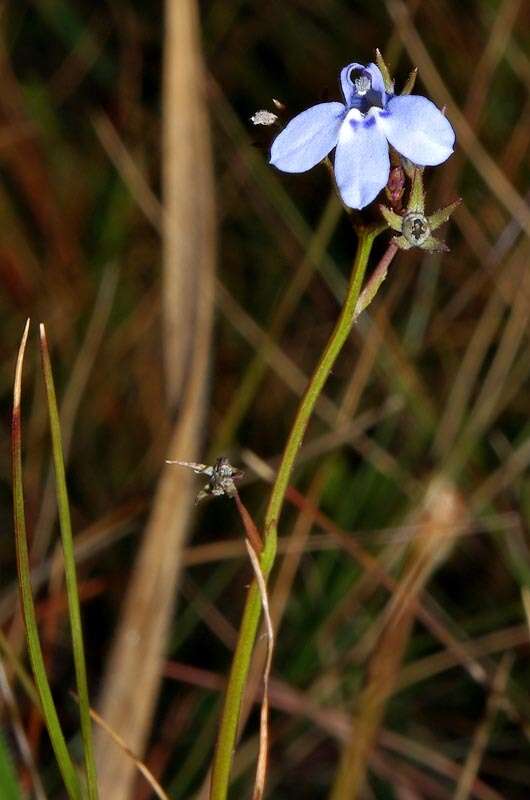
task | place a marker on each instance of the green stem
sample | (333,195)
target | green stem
(226,739)
(74,610)
(66,765)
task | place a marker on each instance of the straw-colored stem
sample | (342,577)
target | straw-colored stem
(441,515)
(240,665)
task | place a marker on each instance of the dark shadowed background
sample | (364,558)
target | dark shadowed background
(404,608)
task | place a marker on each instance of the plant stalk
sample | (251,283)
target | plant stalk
(227,735)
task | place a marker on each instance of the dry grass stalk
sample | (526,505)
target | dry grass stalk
(135,665)
(441,514)
(261,769)
(254,545)
(137,763)
(483,732)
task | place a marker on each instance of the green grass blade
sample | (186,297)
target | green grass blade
(49,711)
(74,609)
(9,788)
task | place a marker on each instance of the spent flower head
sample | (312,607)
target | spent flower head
(264,117)
(222,477)
(414,226)
(361,130)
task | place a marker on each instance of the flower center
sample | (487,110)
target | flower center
(365,96)
(362,84)
(416,228)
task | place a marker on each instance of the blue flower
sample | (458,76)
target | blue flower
(361,130)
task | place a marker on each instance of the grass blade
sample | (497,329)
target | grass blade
(74,610)
(9,788)
(49,711)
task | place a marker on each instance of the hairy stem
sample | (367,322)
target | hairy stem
(226,739)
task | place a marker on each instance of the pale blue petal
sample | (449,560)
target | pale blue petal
(362,163)
(348,87)
(308,138)
(417,130)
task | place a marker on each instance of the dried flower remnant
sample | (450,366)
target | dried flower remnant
(361,130)
(264,117)
(416,228)
(222,477)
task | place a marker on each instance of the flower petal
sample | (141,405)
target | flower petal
(348,86)
(308,138)
(417,129)
(362,163)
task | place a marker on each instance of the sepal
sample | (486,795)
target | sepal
(409,83)
(441,216)
(394,220)
(387,80)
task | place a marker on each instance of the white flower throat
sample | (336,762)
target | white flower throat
(363,84)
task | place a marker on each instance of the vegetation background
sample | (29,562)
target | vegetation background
(401,597)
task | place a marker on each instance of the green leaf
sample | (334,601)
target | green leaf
(74,610)
(49,711)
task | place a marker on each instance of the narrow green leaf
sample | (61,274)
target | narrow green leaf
(74,609)
(376,279)
(9,788)
(49,711)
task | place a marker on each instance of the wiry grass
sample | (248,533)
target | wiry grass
(67,543)
(431,391)
(49,711)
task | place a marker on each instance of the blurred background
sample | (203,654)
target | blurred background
(188,290)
